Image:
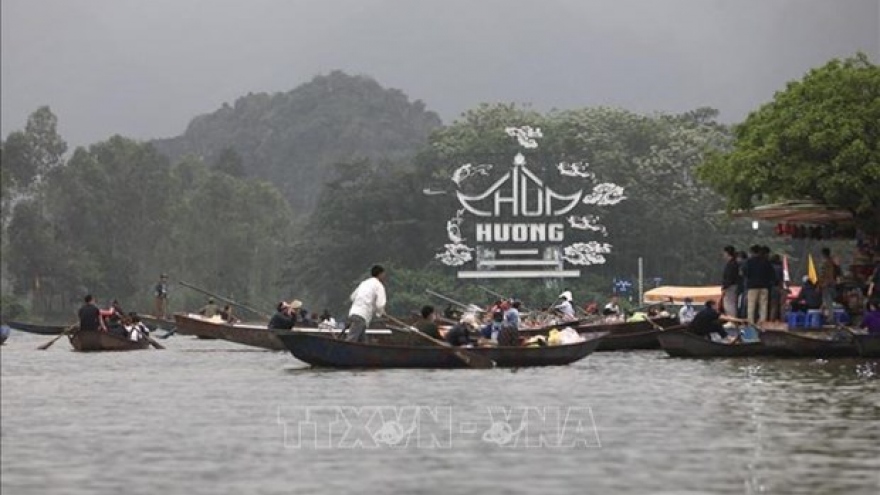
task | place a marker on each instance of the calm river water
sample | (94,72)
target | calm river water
(209,417)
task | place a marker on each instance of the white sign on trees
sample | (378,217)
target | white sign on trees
(518,227)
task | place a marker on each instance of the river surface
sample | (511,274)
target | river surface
(210,417)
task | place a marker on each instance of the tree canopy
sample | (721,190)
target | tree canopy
(118,213)
(376,211)
(818,139)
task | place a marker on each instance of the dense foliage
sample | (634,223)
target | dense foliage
(818,139)
(376,212)
(217,206)
(115,215)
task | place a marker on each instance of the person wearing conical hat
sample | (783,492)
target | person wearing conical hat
(565,307)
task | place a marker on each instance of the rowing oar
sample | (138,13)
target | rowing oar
(151,340)
(490,291)
(471,359)
(62,334)
(502,296)
(221,298)
(469,307)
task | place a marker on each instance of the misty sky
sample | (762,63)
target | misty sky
(143,69)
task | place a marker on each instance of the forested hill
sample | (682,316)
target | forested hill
(293,139)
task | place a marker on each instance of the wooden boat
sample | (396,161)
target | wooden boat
(868,345)
(153,322)
(319,350)
(89,341)
(681,343)
(808,344)
(38,328)
(622,336)
(255,335)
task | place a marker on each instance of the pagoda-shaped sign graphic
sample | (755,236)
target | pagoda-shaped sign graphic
(518,227)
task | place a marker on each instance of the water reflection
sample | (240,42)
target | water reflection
(202,418)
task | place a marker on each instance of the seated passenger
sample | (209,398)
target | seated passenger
(687,312)
(708,321)
(612,309)
(810,297)
(565,308)
(871,320)
(138,326)
(511,316)
(427,324)
(490,331)
(661,312)
(284,317)
(210,309)
(227,316)
(460,334)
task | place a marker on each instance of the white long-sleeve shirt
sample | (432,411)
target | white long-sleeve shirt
(565,308)
(368,299)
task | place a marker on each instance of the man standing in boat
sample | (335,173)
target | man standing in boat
(368,300)
(730,281)
(90,316)
(161,294)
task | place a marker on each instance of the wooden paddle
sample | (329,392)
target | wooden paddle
(221,298)
(471,359)
(62,334)
(152,341)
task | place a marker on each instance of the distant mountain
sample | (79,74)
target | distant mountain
(293,139)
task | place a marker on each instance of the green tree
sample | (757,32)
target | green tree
(229,162)
(817,139)
(375,212)
(30,154)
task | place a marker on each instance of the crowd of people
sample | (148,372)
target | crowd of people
(754,290)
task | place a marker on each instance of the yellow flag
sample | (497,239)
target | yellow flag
(811,269)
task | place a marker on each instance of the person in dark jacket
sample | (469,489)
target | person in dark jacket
(809,297)
(761,277)
(730,281)
(777,291)
(743,286)
(708,321)
(90,316)
(427,325)
(460,334)
(284,317)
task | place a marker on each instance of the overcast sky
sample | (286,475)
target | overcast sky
(144,68)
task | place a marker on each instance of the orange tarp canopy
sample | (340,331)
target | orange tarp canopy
(698,294)
(678,293)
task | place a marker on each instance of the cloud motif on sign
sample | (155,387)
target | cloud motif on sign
(455,255)
(525,135)
(589,253)
(586,222)
(453,227)
(575,169)
(467,171)
(605,194)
